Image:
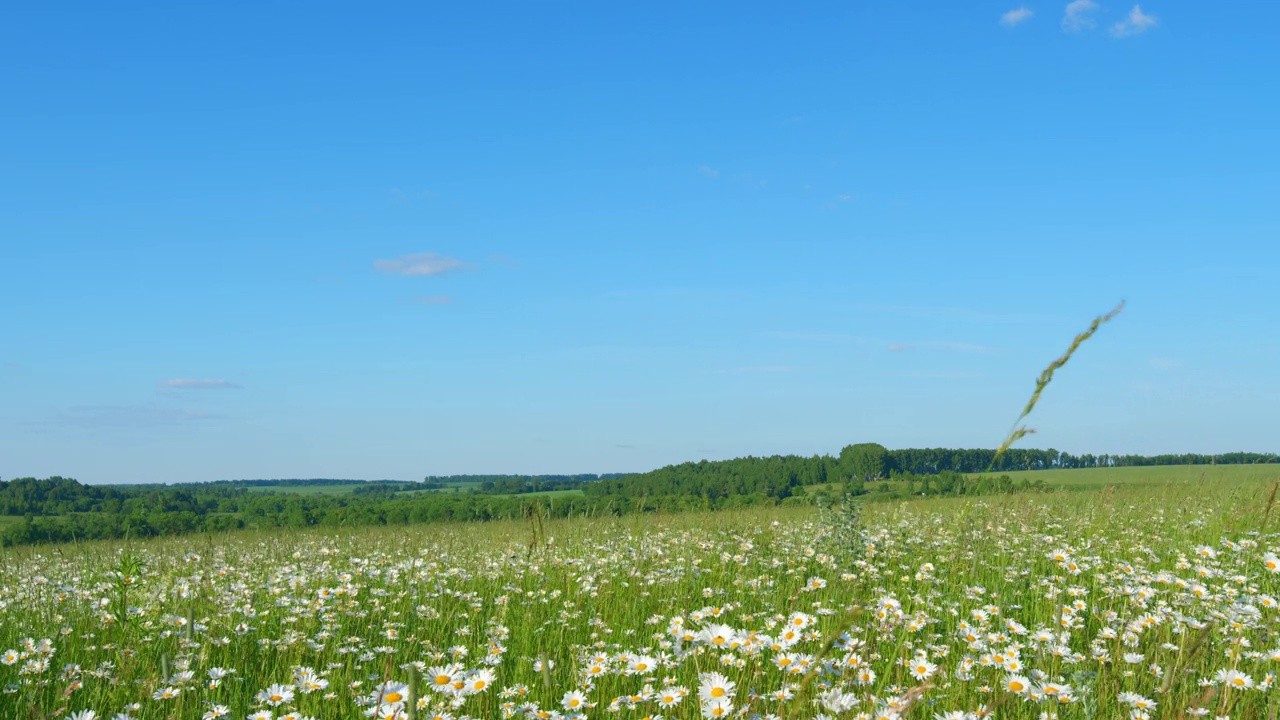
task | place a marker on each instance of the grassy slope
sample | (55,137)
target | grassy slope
(305,489)
(343,489)
(1100,477)
(973,544)
(1074,479)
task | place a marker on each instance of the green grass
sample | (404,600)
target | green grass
(1151,475)
(463,489)
(1147,551)
(1097,478)
(548,494)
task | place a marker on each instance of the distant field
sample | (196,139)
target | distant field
(1150,475)
(305,489)
(463,488)
(450,489)
(548,494)
(344,489)
(1098,478)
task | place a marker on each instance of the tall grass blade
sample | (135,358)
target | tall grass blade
(1020,431)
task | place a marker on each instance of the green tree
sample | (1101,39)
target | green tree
(864,462)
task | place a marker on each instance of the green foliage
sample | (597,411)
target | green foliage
(844,530)
(372,605)
(864,462)
(60,509)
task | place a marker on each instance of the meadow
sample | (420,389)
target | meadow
(1055,479)
(1132,601)
(1150,475)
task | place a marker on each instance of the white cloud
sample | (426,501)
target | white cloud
(420,265)
(191,384)
(1016,17)
(433,300)
(1079,16)
(1135,24)
(708,171)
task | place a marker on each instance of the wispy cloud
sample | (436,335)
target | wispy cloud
(820,337)
(896,347)
(944,346)
(193,384)
(1078,16)
(844,197)
(122,417)
(1136,23)
(1160,363)
(427,264)
(433,300)
(708,171)
(1016,17)
(940,375)
(953,314)
(752,369)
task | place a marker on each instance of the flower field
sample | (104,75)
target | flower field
(1143,602)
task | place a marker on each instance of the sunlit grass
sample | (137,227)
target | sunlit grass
(358,606)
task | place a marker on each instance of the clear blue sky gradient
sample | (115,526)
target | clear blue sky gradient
(682,231)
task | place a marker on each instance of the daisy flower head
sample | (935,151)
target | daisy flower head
(1017,684)
(276,695)
(391,693)
(718,708)
(713,687)
(573,701)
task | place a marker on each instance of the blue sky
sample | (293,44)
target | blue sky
(261,240)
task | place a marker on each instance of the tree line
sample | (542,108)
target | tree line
(782,476)
(60,509)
